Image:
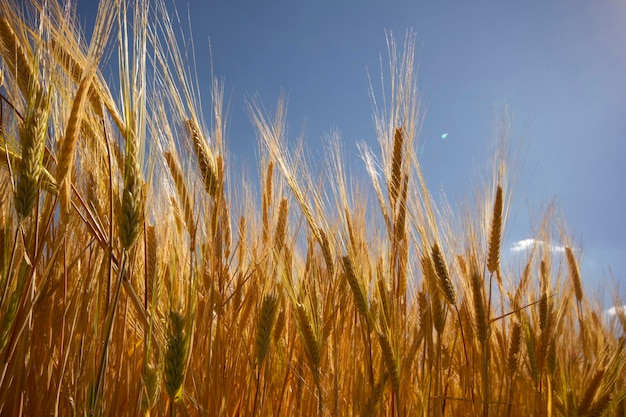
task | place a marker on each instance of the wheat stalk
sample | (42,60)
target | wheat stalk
(482,331)
(9,315)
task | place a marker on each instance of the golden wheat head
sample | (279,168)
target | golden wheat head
(493,260)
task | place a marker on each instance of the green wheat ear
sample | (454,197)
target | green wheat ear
(33,139)
(130,218)
(265,326)
(151,384)
(176,357)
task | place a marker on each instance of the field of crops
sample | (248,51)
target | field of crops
(136,278)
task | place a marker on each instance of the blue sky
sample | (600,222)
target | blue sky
(559,66)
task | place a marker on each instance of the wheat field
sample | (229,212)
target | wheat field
(137,278)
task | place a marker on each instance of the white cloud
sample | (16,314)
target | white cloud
(527,244)
(523,245)
(614,311)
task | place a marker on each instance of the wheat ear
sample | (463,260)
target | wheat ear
(445,283)
(67,150)
(437,309)
(326,252)
(97,92)
(9,157)
(512,357)
(267,200)
(15,57)
(281,225)
(424,318)
(383,294)
(360,301)
(151,388)
(590,392)
(181,189)
(396,165)
(390,360)
(574,273)
(543,311)
(310,336)
(176,357)
(279,326)
(130,220)
(152,270)
(493,259)
(65,158)
(33,139)
(400,225)
(600,405)
(205,158)
(480,315)
(265,326)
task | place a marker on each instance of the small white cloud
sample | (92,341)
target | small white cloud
(614,311)
(557,248)
(527,244)
(523,245)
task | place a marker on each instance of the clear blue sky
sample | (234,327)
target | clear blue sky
(559,65)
